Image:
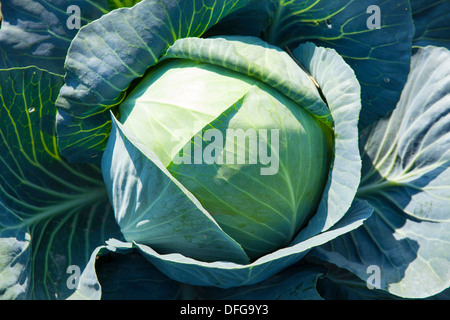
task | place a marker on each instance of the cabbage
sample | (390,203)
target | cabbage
(256,161)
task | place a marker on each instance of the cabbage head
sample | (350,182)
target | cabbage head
(255,160)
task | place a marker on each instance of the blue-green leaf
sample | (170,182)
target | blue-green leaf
(250,20)
(405,177)
(297,282)
(379,57)
(342,91)
(39,32)
(62,210)
(103,60)
(432,23)
(122,273)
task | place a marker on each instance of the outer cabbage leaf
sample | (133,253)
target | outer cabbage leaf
(431,22)
(59,213)
(379,57)
(103,60)
(88,287)
(37,32)
(342,91)
(405,177)
(250,20)
(297,282)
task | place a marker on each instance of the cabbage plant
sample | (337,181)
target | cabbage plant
(239,149)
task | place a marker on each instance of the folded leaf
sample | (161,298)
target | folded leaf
(153,208)
(342,92)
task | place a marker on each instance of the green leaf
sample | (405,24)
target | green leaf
(62,210)
(153,208)
(405,177)
(122,273)
(342,91)
(164,121)
(39,32)
(432,23)
(103,60)
(279,203)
